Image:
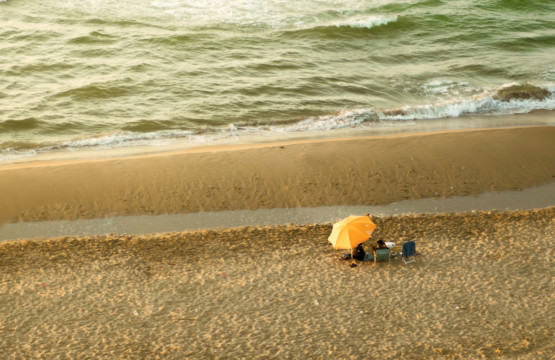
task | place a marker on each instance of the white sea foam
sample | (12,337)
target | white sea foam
(445,87)
(366,22)
(127,139)
(456,108)
(11,155)
(485,104)
(300,14)
(243,12)
(200,13)
(344,119)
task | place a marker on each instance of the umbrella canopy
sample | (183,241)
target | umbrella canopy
(350,232)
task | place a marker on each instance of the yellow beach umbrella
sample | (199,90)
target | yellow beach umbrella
(351,231)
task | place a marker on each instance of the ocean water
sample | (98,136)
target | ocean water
(104,74)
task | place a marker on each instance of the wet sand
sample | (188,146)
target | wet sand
(482,287)
(358,171)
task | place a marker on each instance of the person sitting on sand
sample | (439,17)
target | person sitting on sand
(380,244)
(359,252)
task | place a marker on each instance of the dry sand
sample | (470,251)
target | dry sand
(482,287)
(359,171)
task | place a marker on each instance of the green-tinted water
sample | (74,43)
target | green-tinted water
(106,73)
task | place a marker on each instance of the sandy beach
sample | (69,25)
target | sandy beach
(482,286)
(171,171)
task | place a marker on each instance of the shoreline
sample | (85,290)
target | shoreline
(382,129)
(339,172)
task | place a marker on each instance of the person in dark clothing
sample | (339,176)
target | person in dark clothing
(359,252)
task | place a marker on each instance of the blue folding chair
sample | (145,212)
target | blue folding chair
(409,252)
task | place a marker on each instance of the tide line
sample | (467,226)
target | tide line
(532,198)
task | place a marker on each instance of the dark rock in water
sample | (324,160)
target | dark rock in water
(522,92)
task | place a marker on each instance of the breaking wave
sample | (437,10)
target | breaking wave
(366,22)
(508,99)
